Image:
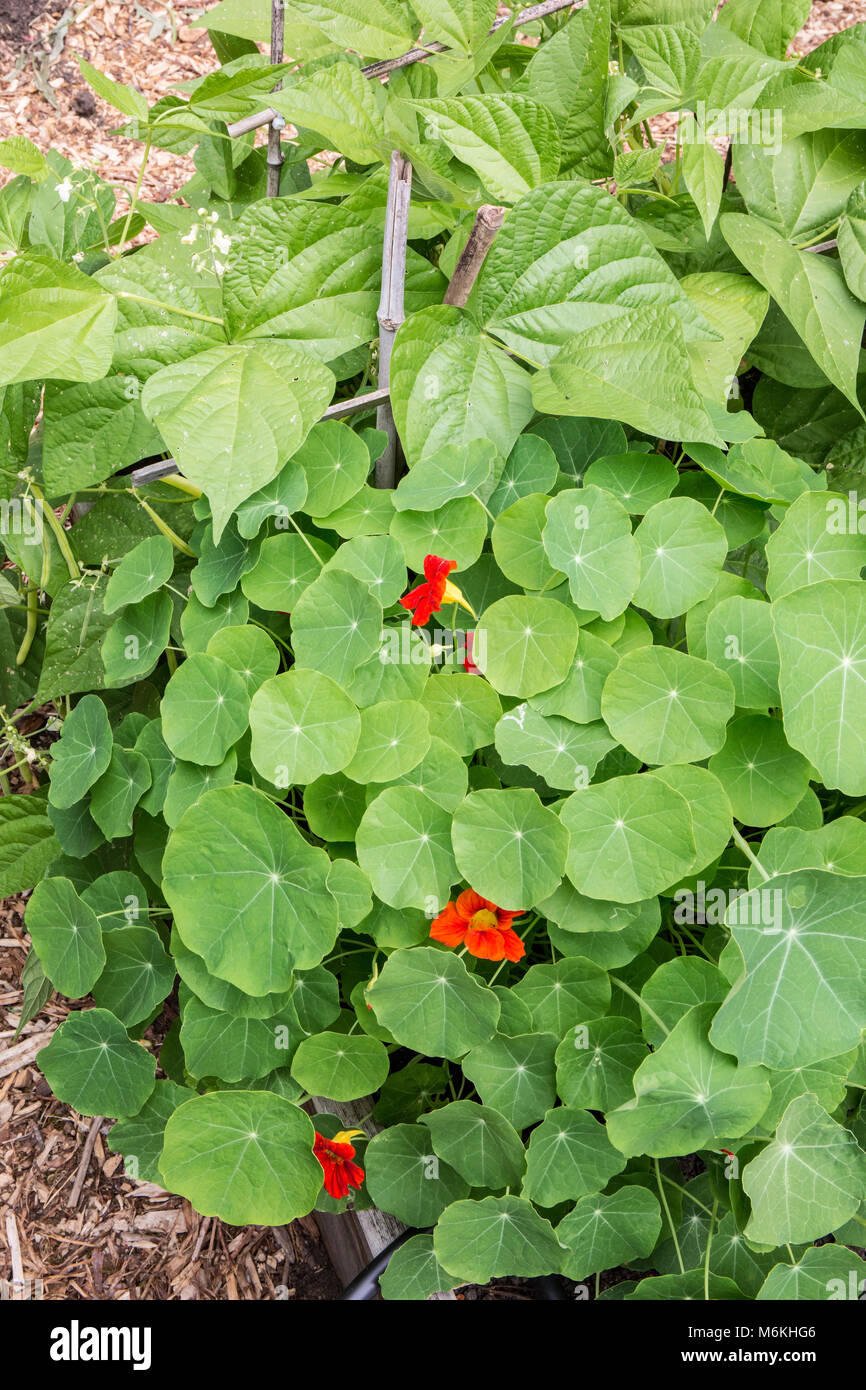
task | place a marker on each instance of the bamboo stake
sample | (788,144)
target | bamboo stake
(488,220)
(405,60)
(391,312)
(275,157)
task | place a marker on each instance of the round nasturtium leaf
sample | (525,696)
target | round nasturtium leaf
(601,1232)
(688,1096)
(219,994)
(336,625)
(563,753)
(579,696)
(569,1155)
(517,544)
(563,994)
(66,937)
(509,847)
(441,774)
(249,894)
(303,726)
(118,792)
(478,1142)
(573,912)
(378,561)
(189,781)
(741,642)
(430,1002)
(763,776)
(137,975)
(595,1063)
(638,481)
(245,1157)
(463,711)
(524,645)
(515,1075)
(140,1137)
(249,651)
(81,754)
(161,761)
(335,462)
(286,566)
(395,735)
(588,537)
(677,986)
(457,531)
(198,624)
(340,1067)
(406,1178)
(141,572)
(236,1048)
(414,1273)
(334,806)
(530,467)
(682,549)
(93,1065)
(816,1277)
(814,542)
(280,497)
(117,897)
(455,470)
(709,806)
(404,845)
(480,1240)
(667,707)
(630,838)
(136,639)
(205,709)
(802,937)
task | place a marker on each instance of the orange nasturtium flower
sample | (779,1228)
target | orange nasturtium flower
(437,589)
(481,926)
(335,1156)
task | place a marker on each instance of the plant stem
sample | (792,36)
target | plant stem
(136,191)
(170,309)
(707,1251)
(627,989)
(744,845)
(163,526)
(307,542)
(182,484)
(667,1212)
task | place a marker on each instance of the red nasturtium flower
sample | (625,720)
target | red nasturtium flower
(481,926)
(437,589)
(335,1156)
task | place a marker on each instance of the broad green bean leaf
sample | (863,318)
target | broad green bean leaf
(377,561)
(333,806)
(741,642)
(335,463)
(140,1137)
(578,698)
(640,346)
(569,1155)
(709,806)
(137,975)
(510,142)
(247,650)
(811,293)
(450,385)
(667,707)
(588,537)
(395,735)
(568,259)
(801,186)
(143,570)
(630,838)
(530,467)
(524,645)
(66,937)
(673,989)
(602,1232)
(637,481)
(404,846)
(682,551)
(451,472)
(76,627)
(459,26)
(428,1000)
(688,1095)
(207,410)
(92,1065)
(815,542)
(595,1063)
(285,567)
(205,709)
(406,1178)
(218,994)
(441,774)
(457,529)
(478,1143)
(342,108)
(336,625)
(189,781)
(82,753)
(28,842)
(198,624)
(137,639)
(823,1272)
(233,1047)
(463,711)
(703,172)
(764,777)
(517,543)
(564,754)
(247,891)
(414,1273)
(802,937)
(810,1179)
(568,74)
(54,322)
(379,28)
(851,241)
(303,725)
(243,1156)
(561,995)
(509,847)
(767,27)
(340,1067)
(118,792)
(820,633)
(515,1075)
(479,1240)
(735,307)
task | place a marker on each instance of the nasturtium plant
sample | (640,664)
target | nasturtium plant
(514,807)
